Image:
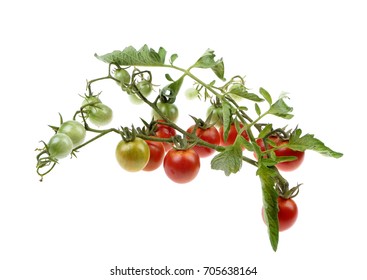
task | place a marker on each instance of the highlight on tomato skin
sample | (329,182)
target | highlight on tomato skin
(181,166)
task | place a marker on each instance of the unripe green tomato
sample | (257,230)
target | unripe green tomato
(60,146)
(168,109)
(122,76)
(145,87)
(75,130)
(98,113)
(217,116)
(191,93)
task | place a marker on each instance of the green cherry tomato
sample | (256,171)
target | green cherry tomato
(98,113)
(75,130)
(168,109)
(60,146)
(191,93)
(217,115)
(145,87)
(132,156)
(122,76)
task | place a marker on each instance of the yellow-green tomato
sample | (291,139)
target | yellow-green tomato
(75,130)
(134,155)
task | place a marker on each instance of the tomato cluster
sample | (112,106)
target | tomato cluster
(69,135)
(181,165)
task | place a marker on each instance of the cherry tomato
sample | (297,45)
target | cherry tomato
(98,113)
(210,135)
(181,166)
(157,153)
(145,87)
(288,213)
(60,146)
(217,115)
(122,76)
(281,152)
(191,93)
(168,109)
(232,135)
(75,130)
(165,131)
(134,155)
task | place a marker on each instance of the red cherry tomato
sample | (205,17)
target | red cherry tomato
(157,153)
(165,131)
(210,135)
(232,135)
(282,152)
(181,166)
(288,213)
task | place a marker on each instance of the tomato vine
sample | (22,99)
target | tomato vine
(227,131)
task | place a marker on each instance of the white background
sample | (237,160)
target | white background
(89,215)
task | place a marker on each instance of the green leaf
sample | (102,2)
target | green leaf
(248,146)
(162,54)
(242,92)
(265,131)
(270,203)
(281,109)
(257,109)
(132,57)
(266,95)
(173,58)
(207,61)
(275,160)
(218,70)
(168,77)
(227,119)
(309,142)
(230,160)
(170,91)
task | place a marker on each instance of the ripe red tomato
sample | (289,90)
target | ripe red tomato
(157,153)
(231,135)
(288,213)
(165,131)
(181,166)
(282,152)
(210,135)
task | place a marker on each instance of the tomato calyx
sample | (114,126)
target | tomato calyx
(282,186)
